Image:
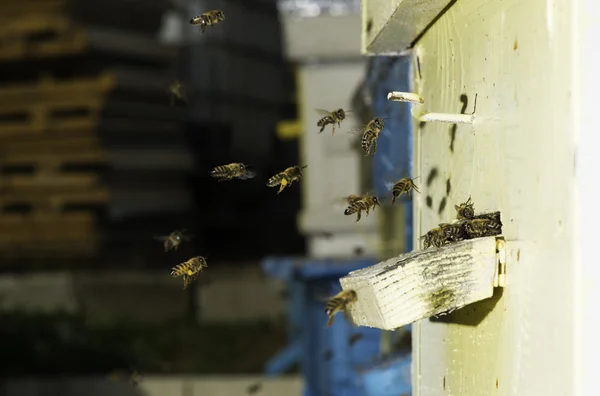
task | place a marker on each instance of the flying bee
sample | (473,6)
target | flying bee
(370,134)
(482,227)
(173,240)
(435,237)
(340,302)
(235,170)
(465,210)
(357,204)
(286,178)
(177,91)
(331,117)
(131,376)
(189,269)
(454,232)
(209,18)
(404,185)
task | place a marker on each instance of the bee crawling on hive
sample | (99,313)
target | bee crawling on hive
(357,203)
(340,302)
(370,134)
(173,240)
(189,269)
(435,237)
(483,225)
(286,178)
(465,210)
(402,186)
(331,118)
(235,170)
(454,232)
(209,18)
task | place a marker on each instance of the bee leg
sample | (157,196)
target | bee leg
(333,129)
(348,317)
(322,128)
(374,146)
(330,321)
(282,185)
(358,216)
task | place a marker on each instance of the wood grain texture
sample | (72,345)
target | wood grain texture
(423,283)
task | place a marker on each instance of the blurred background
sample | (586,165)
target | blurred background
(98,157)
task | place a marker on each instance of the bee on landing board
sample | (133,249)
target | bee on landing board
(209,18)
(402,186)
(340,303)
(488,224)
(435,237)
(331,118)
(189,269)
(173,240)
(454,232)
(286,178)
(370,134)
(356,204)
(177,91)
(465,210)
(235,170)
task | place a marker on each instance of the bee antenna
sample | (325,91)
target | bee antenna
(416,178)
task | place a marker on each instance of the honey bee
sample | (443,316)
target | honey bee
(177,91)
(333,117)
(340,302)
(357,204)
(370,133)
(235,170)
(209,18)
(189,269)
(252,389)
(482,227)
(435,237)
(404,185)
(286,178)
(133,377)
(454,232)
(173,240)
(465,210)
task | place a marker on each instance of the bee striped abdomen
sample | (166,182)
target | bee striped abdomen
(325,121)
(355,207)
(220,171)
(180,269)
(275,180)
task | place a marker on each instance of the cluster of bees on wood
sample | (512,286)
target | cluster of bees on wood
(467,225)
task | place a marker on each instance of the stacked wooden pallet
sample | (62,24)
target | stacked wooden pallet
(66,88)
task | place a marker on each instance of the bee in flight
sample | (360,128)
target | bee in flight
(357,203)
(173,240)
(340,302)
(177,91)
(404,185)
(465,210)
(286,178)
(370,134)
(331,117)
(235,170)
(209,18)
(132,376)
(189,269)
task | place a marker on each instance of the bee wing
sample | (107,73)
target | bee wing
(323,112)
(357,130)
(250,174)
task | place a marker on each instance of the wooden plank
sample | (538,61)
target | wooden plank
(56,200)
(58,144)
(21,185)
(424,283)
(97,156)
(390,27)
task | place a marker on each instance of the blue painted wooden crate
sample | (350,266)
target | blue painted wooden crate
(329,363)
